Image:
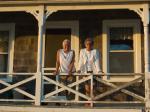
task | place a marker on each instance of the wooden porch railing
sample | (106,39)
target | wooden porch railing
(55,88)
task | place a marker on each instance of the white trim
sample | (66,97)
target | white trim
(74,26)
(135,24)
(11,28)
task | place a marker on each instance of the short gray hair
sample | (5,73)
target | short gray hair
(89,39)
(66,41)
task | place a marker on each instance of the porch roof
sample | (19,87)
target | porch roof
(68,1)
(72,1)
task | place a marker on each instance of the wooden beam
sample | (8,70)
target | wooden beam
(117,89)
(16,84)
(19,90)
(70,85)
(48,109)
(67,88)
(122,90)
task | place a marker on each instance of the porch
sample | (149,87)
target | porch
(123,91)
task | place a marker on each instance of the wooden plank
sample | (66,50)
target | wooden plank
(117,89)
(95,102)
(70,85)
(17,73)
(54,109)
(19,90)
(100,74)
(122,90)
(17,84)
(67,88)
(77,88)
(16,100)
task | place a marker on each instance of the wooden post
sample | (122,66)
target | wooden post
(146,47)
(145,16)
(92,92)
(145,19)
(39,85)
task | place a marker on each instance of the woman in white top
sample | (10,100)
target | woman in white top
(65,59)
(89,62)
(65,64)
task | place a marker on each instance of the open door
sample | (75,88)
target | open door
(55,33)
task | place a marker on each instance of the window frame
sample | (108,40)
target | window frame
(11,28)
(135,24)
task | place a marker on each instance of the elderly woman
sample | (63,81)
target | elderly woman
(89,62)
(65,59)
(65,64)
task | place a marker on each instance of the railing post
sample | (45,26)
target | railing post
(147,91)
(77,89)
(38,91)
(39,86)
(92,92)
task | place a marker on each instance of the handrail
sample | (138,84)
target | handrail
(99,74)
(17,73)
(78,74)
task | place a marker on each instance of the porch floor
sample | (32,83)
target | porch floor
(51,107)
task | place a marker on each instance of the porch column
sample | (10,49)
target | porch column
(145,19)
(146,47)
(39,85)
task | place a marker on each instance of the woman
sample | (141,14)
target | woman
(65,64)
(65,59)
(89,62)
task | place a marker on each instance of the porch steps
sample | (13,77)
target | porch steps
(15,108)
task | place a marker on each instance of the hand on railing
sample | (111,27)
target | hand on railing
(79,71)
(70,73)
(100,72)
(56,72)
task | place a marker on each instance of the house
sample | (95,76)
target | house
(31,31)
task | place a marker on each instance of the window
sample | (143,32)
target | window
(121,54)
(4,41)
(7,31)
(121,38)
(121,46)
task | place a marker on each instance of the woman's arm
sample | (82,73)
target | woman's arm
(80,63)
(57,63)
(72,63)
(97,61)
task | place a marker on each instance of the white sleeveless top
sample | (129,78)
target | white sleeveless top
(65,60)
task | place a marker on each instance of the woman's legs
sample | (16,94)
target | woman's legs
(87,92)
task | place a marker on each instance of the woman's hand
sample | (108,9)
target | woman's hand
(70,73)
(55,72)
(100,72)
(79,71)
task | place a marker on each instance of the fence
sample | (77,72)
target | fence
(53,89)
